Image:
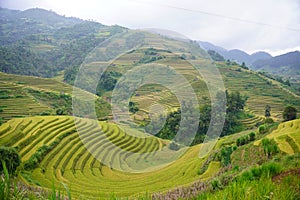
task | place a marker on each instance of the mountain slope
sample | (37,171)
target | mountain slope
(236,54)
(42,43)
(287,65)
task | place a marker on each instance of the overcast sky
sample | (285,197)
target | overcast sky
(250,25)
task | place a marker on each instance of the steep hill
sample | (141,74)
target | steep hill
(186,58)
(50,41)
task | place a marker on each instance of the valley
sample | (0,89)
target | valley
(89,111)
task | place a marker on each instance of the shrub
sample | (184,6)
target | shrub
(270,147)
(216,184)
(263,129)
(252,136)
(225,155)
(238,142)
(11,158)
(269,120)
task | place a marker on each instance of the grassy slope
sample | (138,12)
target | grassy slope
(287,135)
(260,90)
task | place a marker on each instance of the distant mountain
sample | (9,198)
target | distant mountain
(41,43)
(16,25)
(287,65)
(236,54)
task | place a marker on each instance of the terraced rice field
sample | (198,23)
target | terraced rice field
(69,162)
(36,82)
(287,136)
(252,122)
(261,91)
(18,103)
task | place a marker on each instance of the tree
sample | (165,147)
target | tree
(268,111)
(244,66)
(289,113)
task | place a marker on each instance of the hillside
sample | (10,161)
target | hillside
(45,43)
(287,65)
(15,24)
(90,111)
(69,162)
(259,89)
(52,151)
(23,96)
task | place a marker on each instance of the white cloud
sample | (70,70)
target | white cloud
(221,22)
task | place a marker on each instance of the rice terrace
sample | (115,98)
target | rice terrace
(94,111)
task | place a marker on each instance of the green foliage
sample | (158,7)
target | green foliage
(18,60)
(270,147)
(289,113)
(107,82)
(262,129)
(269,120)
(133,107)
(11,158)
(252,136)
(225,155)
(37,45)
(267,170)
(235,104)
(245,139)
(5,183)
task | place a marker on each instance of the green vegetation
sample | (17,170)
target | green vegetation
(56,151)
(245,139)
(10,160)
(289,113)
(45,152)
(26,96)
(235,105)
(270,147)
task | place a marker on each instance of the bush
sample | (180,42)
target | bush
(252,136)
(263,129)
(11,158)
(269,120)
(225,155)
(216,184)
(242,140)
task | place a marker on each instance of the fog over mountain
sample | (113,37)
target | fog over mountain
(271,26)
